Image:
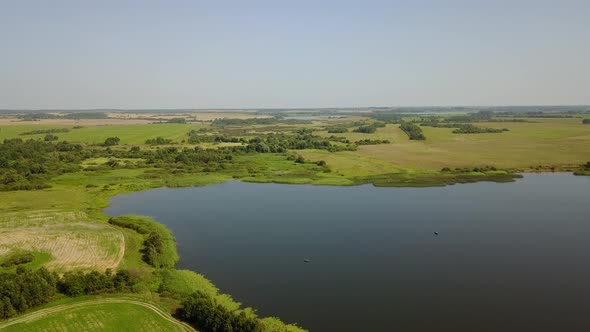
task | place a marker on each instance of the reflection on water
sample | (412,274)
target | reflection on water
(508,257)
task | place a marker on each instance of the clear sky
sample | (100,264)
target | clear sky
(298,53)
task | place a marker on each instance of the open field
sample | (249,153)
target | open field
(70,239)
(559,142)
(548,142)
(190,116)
(63,228)
(103,314)
(72,122)
(129,134)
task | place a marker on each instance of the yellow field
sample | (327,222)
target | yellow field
(547,142)
(73,241)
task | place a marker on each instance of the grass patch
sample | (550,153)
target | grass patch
(100,317)
(28,259)
(159,245)
(61,240)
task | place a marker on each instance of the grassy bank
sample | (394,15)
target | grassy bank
(63,228)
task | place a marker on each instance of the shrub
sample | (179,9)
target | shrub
(112,141)
(18,258)
(159,244)
(203,311)
(413,131)
(50,138)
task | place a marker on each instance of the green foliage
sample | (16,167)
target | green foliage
(177,120)
(279,143)
(25,289)
(158,141)
(111,141)
(203,311)
(159,244)
(17,258)
(471,117)
(413,131)
(46,131)
(27,165)
(372,142)
(195,137)
(387,117)
(79,283)
(50,138)
(471,129)
(337,129)
(180,283)
(586,121)
(370,129)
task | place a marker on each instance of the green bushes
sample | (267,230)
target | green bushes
(27,165)
(413,131)
(471,129)
(50,138)
(177,120)
(337,129)
(17,258)
(159,244)
(371,142)
(370,129)
(79,283)
(46,131)
(111,141)
(158,141)
(203,311)
(388,117)
(25,289)
(279,143)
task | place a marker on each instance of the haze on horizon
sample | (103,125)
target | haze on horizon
(275,54)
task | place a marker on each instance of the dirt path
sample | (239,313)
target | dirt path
(63,307)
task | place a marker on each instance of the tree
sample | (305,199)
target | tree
(112,163)
(112,141)
(49,138)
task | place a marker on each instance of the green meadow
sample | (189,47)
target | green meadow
(62,225)
(97,314)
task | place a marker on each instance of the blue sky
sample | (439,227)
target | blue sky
(259,54)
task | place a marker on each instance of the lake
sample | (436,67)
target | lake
(508,256)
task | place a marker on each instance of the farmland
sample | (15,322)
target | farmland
(103,314)
(50,206)
(70,240)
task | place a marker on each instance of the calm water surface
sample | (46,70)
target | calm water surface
(508,257)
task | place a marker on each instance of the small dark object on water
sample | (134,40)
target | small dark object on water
(307,260)
(435,233)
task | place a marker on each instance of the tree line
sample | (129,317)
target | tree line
(413,131)
(370,128)
(25,289)
(220,122)
(159,243)
(202,311)
(471,129)
(45,131)
(29,164)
